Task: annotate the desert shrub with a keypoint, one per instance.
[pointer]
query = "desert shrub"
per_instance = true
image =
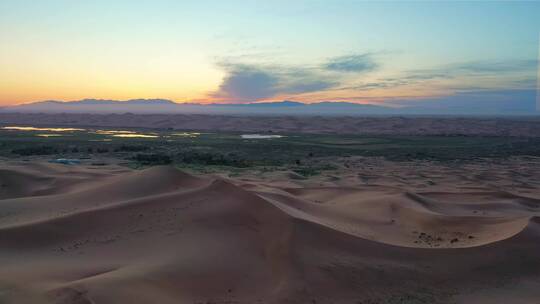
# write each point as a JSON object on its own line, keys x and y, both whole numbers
{"x": 131, "y": 148}
{"x": 38, "y": 150}
{"x": 306, "y": 171}
{"x": 312, "y": 170}
{"x": 213, "y": 159}
{"x": 153, "y": 159}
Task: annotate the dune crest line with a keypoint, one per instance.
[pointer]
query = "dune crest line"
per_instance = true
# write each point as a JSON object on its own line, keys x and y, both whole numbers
{"x": 180, "y": 237}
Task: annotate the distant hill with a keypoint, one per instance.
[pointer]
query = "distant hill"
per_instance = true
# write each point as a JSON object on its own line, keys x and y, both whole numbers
{"x": 100, "y": 102}
{"x": 127, "y": 102}
{"x": 168, "y": 106}
{"x": 165, "y": 106}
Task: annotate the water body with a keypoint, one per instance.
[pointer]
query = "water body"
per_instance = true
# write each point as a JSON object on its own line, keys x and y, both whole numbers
{"x": 260, "y": 136}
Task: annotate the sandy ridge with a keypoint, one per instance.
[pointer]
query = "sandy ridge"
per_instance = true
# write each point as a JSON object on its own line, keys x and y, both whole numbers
{"x": 113, "y": 235}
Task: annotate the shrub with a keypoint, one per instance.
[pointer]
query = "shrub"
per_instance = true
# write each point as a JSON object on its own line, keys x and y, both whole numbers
{"x": 153, "y": 159}
{"x": 39, "y": 150}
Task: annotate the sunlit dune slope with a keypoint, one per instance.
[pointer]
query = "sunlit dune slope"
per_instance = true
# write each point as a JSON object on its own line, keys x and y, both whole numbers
{"x": 79, "y": 235}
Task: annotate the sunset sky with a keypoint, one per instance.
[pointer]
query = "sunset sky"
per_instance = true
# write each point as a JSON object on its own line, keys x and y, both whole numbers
{"x": 245, "y": 51}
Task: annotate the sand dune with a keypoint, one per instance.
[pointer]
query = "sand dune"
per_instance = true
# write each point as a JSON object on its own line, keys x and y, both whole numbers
{"x": 72, "y": 234}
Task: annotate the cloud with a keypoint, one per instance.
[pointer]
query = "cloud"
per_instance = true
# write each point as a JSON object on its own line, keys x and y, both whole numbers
{"x": 351, "y": 63}
{"x": 477, "y": 68}
{"x": 382, "y": 84}
{"x": 246, "y": 83}
{"x": 247, "y": 80}
{"x": 517, "y": 74}
{"x": 392, "y": 82}
{"x": 489, "y": 67}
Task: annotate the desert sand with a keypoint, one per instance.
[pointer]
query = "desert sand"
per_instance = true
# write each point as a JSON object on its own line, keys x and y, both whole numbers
{"x": 378, "y": 233}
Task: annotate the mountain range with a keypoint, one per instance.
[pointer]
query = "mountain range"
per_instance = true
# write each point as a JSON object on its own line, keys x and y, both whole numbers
{"x": 161, "y": 106}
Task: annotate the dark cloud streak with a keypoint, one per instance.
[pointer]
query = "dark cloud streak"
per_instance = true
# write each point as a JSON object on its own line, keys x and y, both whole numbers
{"x": 251, "y": 82}
{"x": 471, "y": 69}
{"x": 489, "y": 67}
{"x": 246, "y": 83}
{"x": 352, "y": 63}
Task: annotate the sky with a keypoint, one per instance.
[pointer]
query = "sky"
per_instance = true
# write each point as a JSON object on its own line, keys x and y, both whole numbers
{"x": 389, "y": 53}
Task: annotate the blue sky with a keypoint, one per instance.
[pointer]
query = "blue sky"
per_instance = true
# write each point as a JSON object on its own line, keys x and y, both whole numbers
{"x": 244, "y": 51}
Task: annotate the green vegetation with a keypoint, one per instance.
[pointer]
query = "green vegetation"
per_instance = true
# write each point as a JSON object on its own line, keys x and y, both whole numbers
{"x": 305, "y": 154}
{"x": 153, "y": 159}
{"x": 35, "y": 150}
